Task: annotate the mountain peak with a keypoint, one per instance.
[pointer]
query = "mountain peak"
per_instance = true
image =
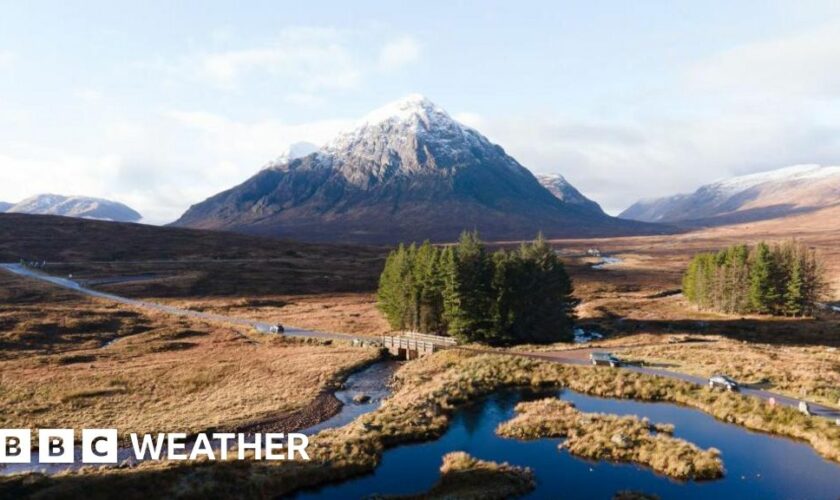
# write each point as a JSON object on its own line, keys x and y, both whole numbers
{"x": 75, "y": 206}
{"x": 412, "y": 114}
{"x": 406, "y": 108}
{"x": 407, "y": 171}
{"x": 759, "y": 196}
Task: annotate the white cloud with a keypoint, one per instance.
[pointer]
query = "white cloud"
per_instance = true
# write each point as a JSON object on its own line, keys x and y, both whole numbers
{"x": 399, "y": 53}
{"x": 7, "y": 59}
{"x": 470, "y": 119}
{"x": 315, "y": 59}
{"x": 160, "y": 166}
{"x": 796, "y": 65}
{"x": 618, "y": 163}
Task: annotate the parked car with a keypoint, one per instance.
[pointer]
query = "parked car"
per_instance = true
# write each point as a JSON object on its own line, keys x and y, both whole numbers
{"x": 604, "y": 358}
{"x": 723, "y": 381}
{"x": 276, "y": 329}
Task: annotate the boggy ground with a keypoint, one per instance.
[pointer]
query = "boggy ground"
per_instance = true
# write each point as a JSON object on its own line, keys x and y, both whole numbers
{"x": 427, "y": 392}
{"x": 69, "y": 361}
{"x": 612, "y": 437}
{"x": 465, "y": 477}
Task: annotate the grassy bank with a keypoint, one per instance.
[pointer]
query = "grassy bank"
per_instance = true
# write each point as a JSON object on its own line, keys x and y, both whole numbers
{"x": 467, "y": 478}
{"x": 69, "y": 361}
{"x": 426, "y": 394}
{"x": 600, "y": 436}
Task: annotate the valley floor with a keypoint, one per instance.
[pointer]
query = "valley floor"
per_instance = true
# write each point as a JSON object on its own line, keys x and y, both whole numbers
{"x": 68, "y": 361}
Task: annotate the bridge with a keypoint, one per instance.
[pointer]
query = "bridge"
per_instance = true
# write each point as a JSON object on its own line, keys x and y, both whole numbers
{"x": 412, "y": 345}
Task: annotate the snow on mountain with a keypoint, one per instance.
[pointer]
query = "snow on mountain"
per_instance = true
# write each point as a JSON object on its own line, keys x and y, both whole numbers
{"x": 75, "y": 206}
{"x": 764, "y": 195}
{"x": 5, "y": 206}
{"x": 565, "y": 192}
{"x": 293, "y": 152}
{"x": 406, "y": 171}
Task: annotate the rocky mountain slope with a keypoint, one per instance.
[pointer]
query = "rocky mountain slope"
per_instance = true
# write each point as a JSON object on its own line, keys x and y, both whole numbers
{"x": 407, "y": 171}
{"x": 565, "y": 192}
{"x": 75, "y": 206}
{"x": 767, "y": 195}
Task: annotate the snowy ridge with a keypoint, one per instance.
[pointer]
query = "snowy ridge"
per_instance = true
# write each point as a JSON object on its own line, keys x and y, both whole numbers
{"x": 565, "y": 192}
{"x": 75, "y": 206}
{"x": 757, "y": 196}
{"x": 786, "y": 174}
{"x": 293, "y": 152}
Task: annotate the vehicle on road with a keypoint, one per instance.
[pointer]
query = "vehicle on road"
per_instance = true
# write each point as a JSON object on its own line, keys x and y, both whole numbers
{"x": 723, "y": 382}
{"x": 263, "y": 328}
{"x": 605, "y": 359}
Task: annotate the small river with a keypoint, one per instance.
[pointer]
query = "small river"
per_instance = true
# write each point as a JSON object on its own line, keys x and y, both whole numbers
{"x": 757, "y": 465}
{"x": 372, "y": 381}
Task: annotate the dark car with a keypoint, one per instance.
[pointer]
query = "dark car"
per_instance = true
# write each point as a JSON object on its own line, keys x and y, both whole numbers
{"x": 723, "y": 382}
{"x": 604, "y": 358}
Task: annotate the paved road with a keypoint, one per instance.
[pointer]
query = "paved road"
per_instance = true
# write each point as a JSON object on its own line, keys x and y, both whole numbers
{"x": 572, "y": 356}
{"x": 259, "y": 325}
{"x": 581, "y": 357}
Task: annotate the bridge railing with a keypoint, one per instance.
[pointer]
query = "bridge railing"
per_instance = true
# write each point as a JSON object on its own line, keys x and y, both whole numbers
{"x": 435, "y": 339}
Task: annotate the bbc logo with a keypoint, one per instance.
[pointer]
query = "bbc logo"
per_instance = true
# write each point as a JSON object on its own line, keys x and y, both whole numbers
{"x": 57, "y": 446}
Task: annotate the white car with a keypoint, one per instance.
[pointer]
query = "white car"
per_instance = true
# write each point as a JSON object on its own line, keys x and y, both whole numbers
{"x": 722, "y": 381}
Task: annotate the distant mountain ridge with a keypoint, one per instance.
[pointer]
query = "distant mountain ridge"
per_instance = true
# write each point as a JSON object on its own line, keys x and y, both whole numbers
{"x": 564, "y": 191}
{"x": 75, "y": 206}
{"x": 406, "y": 171}
{"x": 5, "y": 206}
{"x": 765, "y": 195}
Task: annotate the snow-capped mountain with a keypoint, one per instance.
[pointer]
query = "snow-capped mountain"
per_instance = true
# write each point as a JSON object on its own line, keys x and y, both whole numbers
{"x": 565, "y": 192}
{"x": 5, "y": 206}
{"x": 406, "y": 171}
{"x": 765, "y": 195}
{"x": 75, "y": 206}
{"x": 293, "y": 152}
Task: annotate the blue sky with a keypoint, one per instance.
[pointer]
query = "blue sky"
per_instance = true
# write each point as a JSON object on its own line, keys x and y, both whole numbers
{"x": 161, "y": 104}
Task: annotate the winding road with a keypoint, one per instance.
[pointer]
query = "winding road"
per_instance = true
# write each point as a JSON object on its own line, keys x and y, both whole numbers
{"x": 176, "y": 311}
{"x": 572, "y": 356}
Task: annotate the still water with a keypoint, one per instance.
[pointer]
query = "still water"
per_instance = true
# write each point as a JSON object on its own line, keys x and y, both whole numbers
{"x": 757, "y": 465}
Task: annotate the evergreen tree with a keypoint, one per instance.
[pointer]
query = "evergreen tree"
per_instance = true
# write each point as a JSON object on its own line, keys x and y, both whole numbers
{"x": 762, "y": 289}
{"x": 785, "y": 279}
{"x": 549, "y": 312}
{"x": 467, "y": 294}
{"x": 794, "y": 297}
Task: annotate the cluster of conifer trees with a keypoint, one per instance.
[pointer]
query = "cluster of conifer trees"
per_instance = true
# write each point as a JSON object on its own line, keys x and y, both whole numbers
{"x": 462, "y": 290}
{"x": 785, "y": 279}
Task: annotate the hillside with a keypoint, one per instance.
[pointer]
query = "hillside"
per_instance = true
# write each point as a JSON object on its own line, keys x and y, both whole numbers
{"x": 407, "y": 171}
{"x": 768, "y": 195}
{"x": 75, "y": 206}
{"x": 565, "y": 192}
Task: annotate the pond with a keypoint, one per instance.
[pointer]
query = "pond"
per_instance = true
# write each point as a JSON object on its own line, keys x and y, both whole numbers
{"x": 757, "y": 465}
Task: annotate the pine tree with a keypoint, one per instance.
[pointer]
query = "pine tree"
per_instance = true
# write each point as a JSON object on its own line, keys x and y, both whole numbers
{"x": 794, "y": 297}
{"x": 550, "y": 308}
{"x": 762, "y": 294}
{"x": 468, "y": 293}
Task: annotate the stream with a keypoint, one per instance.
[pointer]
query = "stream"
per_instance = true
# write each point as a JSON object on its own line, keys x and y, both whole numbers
{"x": 372, "y": 381}
{"x": 607, "y": 261}
{"x": 757, "y": 465}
